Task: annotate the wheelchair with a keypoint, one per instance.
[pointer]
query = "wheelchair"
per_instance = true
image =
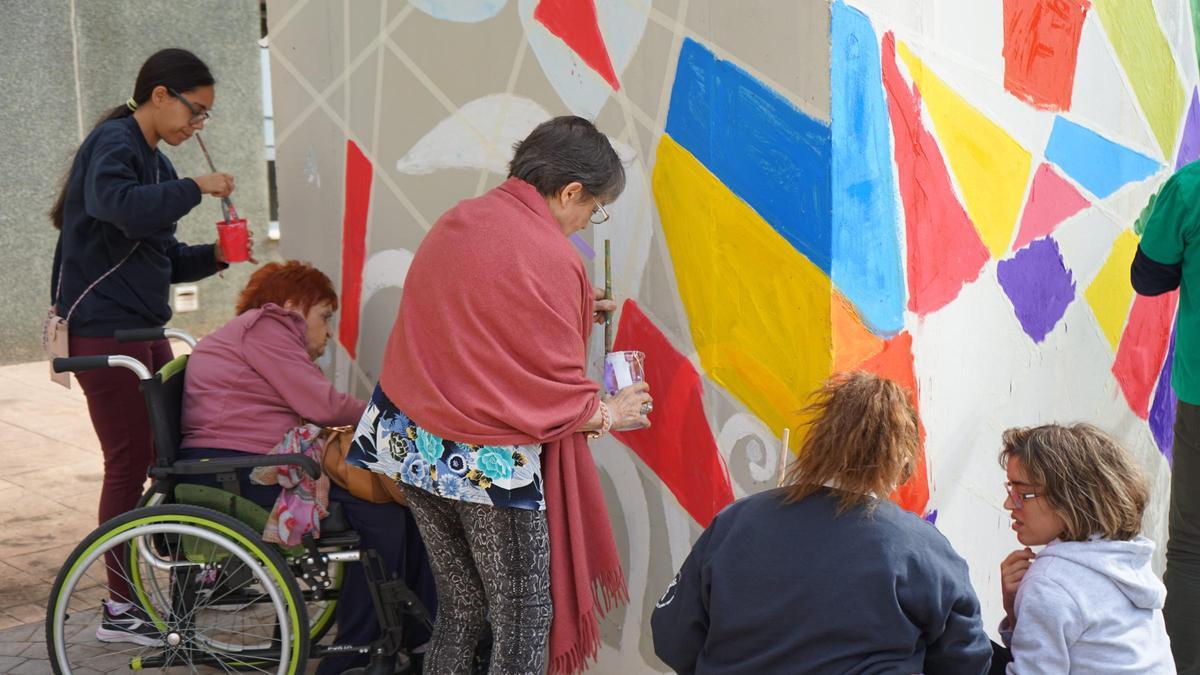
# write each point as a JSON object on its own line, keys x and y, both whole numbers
{"x": 215, "y": 596}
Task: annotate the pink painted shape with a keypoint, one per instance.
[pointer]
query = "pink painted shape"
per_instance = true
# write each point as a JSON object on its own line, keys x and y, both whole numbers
{"x": 1051, "y": 200}
{"x": 944, "y": 249}
{"x": 359, "y": 173}
{"x": 576, "y": 23}
{"x": 1143, "y": 348}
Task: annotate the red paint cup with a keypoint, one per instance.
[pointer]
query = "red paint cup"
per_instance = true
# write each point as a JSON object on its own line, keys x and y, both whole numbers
{"x": 235, "y": 240}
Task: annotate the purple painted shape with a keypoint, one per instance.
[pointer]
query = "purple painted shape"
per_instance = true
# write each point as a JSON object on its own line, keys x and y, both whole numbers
{"x": 1162, "y": 411}
{"x": 931, "y": 517}
{"x": 583, "y": 247}
{"x": 1189, "y": 145}
{"x": 1039, "y": 285}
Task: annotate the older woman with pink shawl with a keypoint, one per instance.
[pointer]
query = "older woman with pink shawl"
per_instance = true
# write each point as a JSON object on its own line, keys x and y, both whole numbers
{"x": 484, "y": 409}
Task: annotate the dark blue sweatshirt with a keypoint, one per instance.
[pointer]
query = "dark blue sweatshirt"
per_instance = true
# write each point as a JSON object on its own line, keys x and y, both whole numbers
{"x": 120, "y": 192}
{"x": 794, "y": 588}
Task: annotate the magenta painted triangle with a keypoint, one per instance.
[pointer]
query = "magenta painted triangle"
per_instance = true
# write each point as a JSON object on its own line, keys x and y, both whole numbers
{"x": 1189, "y": 145}
{"x": 1051, "y": 200}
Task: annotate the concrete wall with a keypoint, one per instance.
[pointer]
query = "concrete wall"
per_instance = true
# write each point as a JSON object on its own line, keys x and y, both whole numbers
{"x": 42, "y": 121}
{"x": 910, "y": 187}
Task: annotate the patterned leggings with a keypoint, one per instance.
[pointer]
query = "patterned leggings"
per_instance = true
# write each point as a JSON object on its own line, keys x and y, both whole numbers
{"x": 492, "y": 564}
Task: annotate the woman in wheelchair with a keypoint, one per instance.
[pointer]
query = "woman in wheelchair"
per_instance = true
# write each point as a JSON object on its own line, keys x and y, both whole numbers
{"x": 254, "y": 379}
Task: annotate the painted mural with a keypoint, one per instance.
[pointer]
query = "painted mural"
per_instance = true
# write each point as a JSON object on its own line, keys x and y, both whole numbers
{"x": 947, "y": 193}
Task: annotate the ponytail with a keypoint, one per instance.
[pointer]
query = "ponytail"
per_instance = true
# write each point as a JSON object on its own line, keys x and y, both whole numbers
{"x": 175, "y": 69}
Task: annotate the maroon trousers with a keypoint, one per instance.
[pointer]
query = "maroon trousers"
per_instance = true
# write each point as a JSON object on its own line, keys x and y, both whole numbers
{"x": 119, "y": 417}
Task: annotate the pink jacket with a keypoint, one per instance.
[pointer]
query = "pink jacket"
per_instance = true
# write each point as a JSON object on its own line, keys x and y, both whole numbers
{"x": 251, "y": 380}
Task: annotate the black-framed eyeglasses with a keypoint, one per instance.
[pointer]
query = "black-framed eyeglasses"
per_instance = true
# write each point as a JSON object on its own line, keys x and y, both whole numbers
{"x": 1018, "y": 498}
{"x": 599, "y": 215}
{"x": 198, "y": 115}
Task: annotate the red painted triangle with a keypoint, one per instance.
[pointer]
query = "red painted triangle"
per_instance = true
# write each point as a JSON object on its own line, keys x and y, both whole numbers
{"x": 576, "y": 23}
{"x": 1051, "y": 200}
{"x": 944, "y": 249}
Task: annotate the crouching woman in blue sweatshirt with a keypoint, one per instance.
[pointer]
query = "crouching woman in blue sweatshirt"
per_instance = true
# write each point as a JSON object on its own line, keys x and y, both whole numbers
{"x": 825, "y": 575}
{"x": 114, "y": 263}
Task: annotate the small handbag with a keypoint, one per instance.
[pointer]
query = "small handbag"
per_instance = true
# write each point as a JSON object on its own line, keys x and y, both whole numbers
{"x": 56, "y": 339}
{"x": 366, "y": 485}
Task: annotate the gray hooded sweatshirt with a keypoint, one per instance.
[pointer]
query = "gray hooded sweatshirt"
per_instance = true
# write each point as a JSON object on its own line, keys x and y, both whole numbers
{"x": 1090, "y": 607}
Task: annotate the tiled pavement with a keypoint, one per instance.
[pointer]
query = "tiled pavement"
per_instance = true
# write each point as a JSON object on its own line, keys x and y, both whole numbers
{"x": 50, "y": 472}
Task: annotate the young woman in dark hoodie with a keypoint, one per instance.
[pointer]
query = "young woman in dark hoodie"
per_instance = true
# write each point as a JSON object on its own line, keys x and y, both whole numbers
{"x": 115, "y": 260}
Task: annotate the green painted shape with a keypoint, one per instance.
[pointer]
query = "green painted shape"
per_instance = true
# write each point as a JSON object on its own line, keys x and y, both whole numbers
{"x": 1133, "y": 29}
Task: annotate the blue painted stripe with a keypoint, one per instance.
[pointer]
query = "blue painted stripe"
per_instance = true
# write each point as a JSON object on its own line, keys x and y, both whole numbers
{"x": 867, "y": 263}
{"x": 774, "y": 157}
{"x": 1093, "y": 161}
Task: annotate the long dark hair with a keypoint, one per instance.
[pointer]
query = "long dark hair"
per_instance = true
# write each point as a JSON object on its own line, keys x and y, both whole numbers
{"x": 176, "y": 69}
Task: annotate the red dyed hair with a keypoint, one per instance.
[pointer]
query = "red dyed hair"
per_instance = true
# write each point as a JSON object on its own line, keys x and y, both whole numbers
{"x": 295, "y": 281}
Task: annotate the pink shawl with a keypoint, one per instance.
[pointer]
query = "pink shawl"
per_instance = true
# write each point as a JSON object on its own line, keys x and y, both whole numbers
{"x": 490, "y": 347}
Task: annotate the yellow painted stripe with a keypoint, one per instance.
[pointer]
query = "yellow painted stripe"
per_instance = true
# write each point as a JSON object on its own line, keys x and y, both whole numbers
{"x": 991, "y": 168}
{"x": 1111, "y": 294}
{"x": 759, "y": 311}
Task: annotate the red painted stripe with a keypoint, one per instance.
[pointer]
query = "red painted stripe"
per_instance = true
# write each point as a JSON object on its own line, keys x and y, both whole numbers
{"x": 1143, "y": 349}
{"x": 895, "y": 363}
{"x": 944, "y": 250}
{"x": 354, "y": 244}
{"x": 576, "y": 23}
{"x": 1041, "y": 46}
{"x": 679, "y": 446}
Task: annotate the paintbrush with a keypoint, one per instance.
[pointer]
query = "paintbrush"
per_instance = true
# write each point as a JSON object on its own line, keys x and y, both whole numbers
{"x": 226, "y": 203}
{"x": 783, "y": 455}
{"x": 608, "y": 327}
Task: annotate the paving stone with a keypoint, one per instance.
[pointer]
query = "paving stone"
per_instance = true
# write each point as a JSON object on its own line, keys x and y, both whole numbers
{"x": 33, "y": 667}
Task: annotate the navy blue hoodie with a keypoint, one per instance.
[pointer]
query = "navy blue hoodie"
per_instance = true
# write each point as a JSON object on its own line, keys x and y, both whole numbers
{"x": 782, "y": 588}
{"x": 120, "y": 192}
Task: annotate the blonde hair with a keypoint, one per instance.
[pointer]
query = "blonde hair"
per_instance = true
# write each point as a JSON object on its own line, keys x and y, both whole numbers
{"x": 862, "y": 438}
{"x": 1084, "y": 475}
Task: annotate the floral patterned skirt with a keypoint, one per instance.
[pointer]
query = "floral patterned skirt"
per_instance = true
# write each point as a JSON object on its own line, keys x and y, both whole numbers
{"x": 390, "y": 443}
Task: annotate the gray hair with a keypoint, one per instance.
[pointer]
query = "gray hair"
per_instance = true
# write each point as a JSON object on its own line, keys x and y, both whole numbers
{"x": 565, "y": 150}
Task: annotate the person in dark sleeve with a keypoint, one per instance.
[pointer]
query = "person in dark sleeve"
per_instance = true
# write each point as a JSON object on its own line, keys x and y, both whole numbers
{"x": 825, "y": 575}
{"x": 116, "y": 258}
{"x": 1168, "y": 258}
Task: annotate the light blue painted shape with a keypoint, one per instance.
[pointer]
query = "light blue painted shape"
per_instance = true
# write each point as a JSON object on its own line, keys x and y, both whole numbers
{"x": 1098, "y": 164}
{"x": 867, "y": 264}
{"x": 774, "y": 157}
{"x": 462, "y": 11}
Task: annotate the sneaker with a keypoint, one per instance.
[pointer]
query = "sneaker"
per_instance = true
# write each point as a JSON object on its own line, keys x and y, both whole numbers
{"x": 131, "y": 626}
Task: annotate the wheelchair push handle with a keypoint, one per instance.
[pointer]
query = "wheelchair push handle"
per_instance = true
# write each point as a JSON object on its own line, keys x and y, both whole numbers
{"x": 196, "y": 467}
{"x": 151, "y": 334}
{"x": 75, "y": 364}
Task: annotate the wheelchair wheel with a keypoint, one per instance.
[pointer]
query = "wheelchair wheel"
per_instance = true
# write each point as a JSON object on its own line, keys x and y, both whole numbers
{"x": 212, "y": 595}
{"x": 321, "y": 613}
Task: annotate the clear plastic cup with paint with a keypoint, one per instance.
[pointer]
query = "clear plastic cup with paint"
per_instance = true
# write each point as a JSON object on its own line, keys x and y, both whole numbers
{"x": 621, "y": 370}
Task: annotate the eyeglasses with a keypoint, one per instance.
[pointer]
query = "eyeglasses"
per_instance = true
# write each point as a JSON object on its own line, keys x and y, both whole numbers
{"x": 1019, "y": 498}
{"x": 599, "y": 215}
{"x": 198, "y": 115}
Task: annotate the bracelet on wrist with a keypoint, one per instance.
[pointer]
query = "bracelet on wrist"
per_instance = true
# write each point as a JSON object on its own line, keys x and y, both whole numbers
{"x": 605, "y": 422}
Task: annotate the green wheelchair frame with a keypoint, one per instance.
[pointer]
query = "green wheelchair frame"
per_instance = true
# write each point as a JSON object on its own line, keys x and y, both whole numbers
{"x": 206, "y": 544}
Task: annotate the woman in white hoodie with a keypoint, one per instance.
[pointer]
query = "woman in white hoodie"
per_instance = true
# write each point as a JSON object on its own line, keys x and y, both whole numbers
{"x": 1088, "y": 602}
